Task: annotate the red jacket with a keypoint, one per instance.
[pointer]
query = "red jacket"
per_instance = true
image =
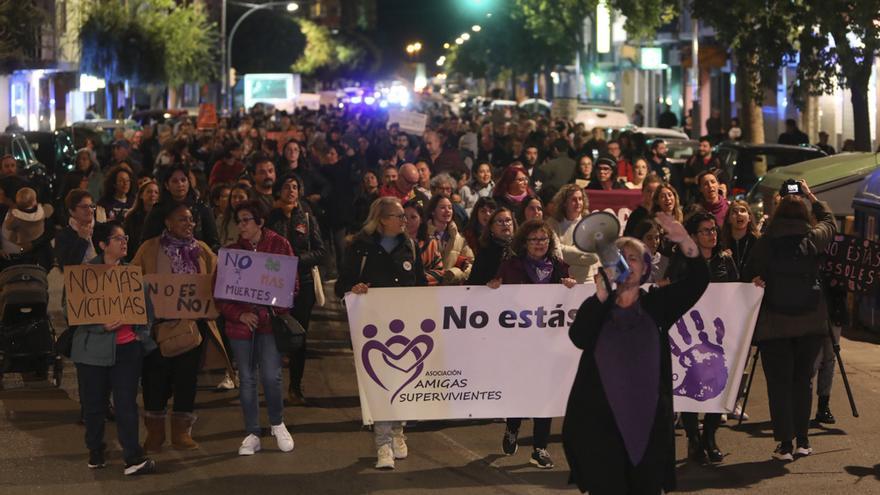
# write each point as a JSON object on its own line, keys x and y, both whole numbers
{"x": 221, "y": 173}
{"x": 270, "y": 242}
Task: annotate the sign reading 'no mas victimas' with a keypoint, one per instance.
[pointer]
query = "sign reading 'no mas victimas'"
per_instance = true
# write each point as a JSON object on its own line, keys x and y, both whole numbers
{"x": 258, "y": 278}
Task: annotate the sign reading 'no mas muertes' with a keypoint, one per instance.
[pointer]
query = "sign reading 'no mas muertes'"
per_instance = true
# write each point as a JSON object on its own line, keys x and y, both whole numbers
{"x": 474, "y": 352}
{"x": 258, "y": 278}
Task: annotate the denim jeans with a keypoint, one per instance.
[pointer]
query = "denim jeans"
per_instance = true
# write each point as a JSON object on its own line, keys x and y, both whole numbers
{"x": 122, "y": 379}
{"x": 261, "y": 354}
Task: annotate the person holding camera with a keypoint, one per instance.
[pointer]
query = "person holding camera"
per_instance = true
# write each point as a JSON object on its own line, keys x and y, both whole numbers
{"x": 793, "y": 321}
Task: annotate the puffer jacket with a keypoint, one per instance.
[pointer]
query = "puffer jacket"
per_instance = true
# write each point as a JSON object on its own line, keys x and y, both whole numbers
{"x": 270, "y": 242}
{"x": 367, "y": 261}
{"x": 94, "y": 345}
{"x": 773, "y": 325}
{"x": 456, "y": 247}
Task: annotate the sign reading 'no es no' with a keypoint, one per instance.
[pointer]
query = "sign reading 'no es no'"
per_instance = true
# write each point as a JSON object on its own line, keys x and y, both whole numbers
{"x": 258, "y": 278}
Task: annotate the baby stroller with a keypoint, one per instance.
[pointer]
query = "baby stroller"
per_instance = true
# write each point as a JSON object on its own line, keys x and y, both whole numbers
{"x": 27, "y": 338}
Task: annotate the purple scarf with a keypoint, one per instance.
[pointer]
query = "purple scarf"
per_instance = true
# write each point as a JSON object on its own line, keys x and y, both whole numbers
{"x": 539, "y": 271}
{"x": 183, "y": 253}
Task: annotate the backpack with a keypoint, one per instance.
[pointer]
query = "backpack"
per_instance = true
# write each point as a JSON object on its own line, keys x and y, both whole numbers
{"x": 793, "y": 286}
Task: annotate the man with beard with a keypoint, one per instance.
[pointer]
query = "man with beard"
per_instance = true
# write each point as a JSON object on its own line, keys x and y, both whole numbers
{"x": 702, "y": 161}
{"x": 264, "y": 180}
{"x": 669, "y": 172}
{"x": 530, "y": 162}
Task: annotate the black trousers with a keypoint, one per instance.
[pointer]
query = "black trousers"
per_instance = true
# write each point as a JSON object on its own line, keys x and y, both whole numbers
{"x": 789, "y": 367}
{"x": 540, "y": 430}
{"x": 302, "y": 312}
{"x": 166, "y": 377}
{"x": 691, "y": 423}
{"x": 97, "y": 382}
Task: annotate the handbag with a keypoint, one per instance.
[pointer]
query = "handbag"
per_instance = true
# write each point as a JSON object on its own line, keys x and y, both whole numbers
{"x": 176, "y": 337}
{"x": 290, "y": 336}
{"x": 64, "y": 342}
{"x": 320, "y": 299}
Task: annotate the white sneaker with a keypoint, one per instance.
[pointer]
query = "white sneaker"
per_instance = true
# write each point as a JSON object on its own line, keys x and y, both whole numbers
{"x": 250, "y": 445}
{"x": 282, "y": 436}
{"x": 227, "y": 384}
{"x": 398, "y": 446}
{"x": 385, "y": 458}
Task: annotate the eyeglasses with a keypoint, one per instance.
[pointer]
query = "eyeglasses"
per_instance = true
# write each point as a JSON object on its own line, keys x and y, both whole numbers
{"x": 244, "y": 220}
{"x": 522, "y": 179}
{"x": 504, "y": 221}
{"x": 710, "y": 231}
{"x": 538, "y": 240}
{"x": 89, "y": 206}
{"x": 401, "y": 217}
{"x": 120, "y": 238}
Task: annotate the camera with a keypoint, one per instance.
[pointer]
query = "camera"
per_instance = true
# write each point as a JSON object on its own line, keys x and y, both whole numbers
{"x": 791, "y": 186}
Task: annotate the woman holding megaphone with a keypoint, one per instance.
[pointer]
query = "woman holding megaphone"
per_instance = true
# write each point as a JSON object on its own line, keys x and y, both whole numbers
{"x": 618, "y": 431}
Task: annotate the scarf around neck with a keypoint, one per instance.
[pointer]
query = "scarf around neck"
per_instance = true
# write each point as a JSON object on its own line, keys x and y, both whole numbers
{"x": 539, "y": 271}
{"x": 183, "y": 253}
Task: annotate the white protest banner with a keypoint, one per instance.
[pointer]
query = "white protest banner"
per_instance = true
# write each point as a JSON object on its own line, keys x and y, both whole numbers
{"x": 464, "y": 352}
{"x": 312, "y": 101}
{"x": 710, "y": 346}
{"x": 259, "y": 278}
{"x": 410, "y": 122}
{"x": 473, "y": 352}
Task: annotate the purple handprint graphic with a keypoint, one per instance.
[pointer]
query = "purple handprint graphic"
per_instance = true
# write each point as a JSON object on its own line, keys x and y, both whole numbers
{"x": 705, "y": 374}
{"x": 396, "y": 349}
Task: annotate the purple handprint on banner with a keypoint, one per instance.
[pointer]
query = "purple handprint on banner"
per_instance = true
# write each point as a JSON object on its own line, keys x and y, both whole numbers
{"x": 705, "y": 375}
{"x": 416, "y": 349}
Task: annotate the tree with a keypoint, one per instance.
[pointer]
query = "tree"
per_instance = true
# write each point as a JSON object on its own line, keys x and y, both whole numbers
{"x": 20, "y": 23}
{"x": 325, "y": 55}
{"x": 147, "y": 41}
{"x": 559, "y": 23}
{"x": 839, "y": 40}
{"x": 761, "y": 39}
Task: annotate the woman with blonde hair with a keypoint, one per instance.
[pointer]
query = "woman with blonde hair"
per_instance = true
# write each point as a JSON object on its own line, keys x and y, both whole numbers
{"x": 382, "y": 255}
{"x": 568, "y": 207}
{"x": 666, "y": 200}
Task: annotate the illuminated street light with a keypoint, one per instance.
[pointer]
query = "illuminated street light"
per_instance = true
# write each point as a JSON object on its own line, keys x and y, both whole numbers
{"x": 292, "y": 7}
{"x": 441, "y": 61}
{"x": 465, "y": 36}
{"x": 458, "y": 41}
{"x": 476, "y": 28}
{"x": 417, "y": 46}
{"x": 446, "y": 46}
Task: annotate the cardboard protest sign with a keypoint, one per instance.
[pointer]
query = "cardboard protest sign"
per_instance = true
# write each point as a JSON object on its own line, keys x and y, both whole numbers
{"x": 410, "y": 122}
{"x": 98, "y": 294}
{"x": 207, "y": 116}
{"x": 259, "y": 278}
{"x": 182, "y": 297}
{"x": 853, "y": 262}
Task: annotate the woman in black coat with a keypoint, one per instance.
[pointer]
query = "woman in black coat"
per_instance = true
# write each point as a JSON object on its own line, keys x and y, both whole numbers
{"x": 382, "y": 255}
{"x": 618, "y": 431}
{"x": 294, "y": 221}
{"x": 494, "y": 244}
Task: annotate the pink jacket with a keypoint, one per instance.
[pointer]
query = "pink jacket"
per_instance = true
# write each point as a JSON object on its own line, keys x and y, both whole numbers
{"x": 270, "y": 242}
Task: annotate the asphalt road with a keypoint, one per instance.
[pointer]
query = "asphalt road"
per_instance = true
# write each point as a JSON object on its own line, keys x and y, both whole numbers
{"x": 42, "y": 450}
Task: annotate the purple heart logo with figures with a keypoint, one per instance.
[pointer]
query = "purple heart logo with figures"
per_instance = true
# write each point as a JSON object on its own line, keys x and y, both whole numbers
{"x": 398, "y": 360}
{"x": 702, "y": 360}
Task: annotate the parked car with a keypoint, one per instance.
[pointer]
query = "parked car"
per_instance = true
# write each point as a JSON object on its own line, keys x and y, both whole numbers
{"x": 745, "y": 163}
{"x": 16, "y": 144}
{"x": 601, "y": 116}
{"x": 54, "y": 149}
{"x": 536, "y": 106}
{"x": 652, "y": 133}
{"x": 835, "y": 179}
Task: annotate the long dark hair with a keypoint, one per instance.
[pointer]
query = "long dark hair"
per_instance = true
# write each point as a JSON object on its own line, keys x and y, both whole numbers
{"x": 486, "y": 235}
{"x": 473, "y": 223}
{"x": 422, "y": 233}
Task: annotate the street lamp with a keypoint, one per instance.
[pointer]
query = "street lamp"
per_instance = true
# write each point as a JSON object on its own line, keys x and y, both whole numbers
{"x": 227, "y": 46}
{"x": 413, "y": 49}
{"x": 465, "y": 36}
{"x": 476, "y": 28}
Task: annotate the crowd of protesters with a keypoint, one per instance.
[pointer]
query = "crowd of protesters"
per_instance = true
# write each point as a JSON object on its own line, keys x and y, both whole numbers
{"x": 470, "y": 201}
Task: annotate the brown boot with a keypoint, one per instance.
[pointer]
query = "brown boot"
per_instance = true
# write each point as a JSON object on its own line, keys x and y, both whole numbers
{"x": 181, "y": 431}
{"x": 154, "y": 423}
